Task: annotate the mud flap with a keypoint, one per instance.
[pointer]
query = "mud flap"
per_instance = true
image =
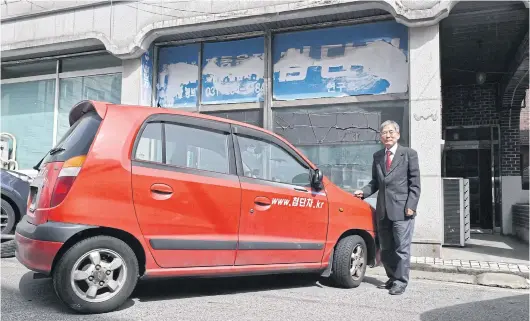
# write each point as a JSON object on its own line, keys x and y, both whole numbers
{"x": 327, "y": 271}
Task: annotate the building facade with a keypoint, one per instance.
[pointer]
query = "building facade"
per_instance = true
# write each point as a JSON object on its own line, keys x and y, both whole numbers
{"x": 323, "y": 74}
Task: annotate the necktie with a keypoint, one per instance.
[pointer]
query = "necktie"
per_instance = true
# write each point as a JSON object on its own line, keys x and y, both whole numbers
{"x": 388, "y": 160}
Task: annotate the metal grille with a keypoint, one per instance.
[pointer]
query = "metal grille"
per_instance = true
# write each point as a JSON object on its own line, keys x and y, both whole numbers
{"x": 452, "y": 213}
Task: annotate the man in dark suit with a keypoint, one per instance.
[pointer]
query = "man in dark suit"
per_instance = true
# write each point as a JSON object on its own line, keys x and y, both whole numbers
{"x": 396, "y": 175}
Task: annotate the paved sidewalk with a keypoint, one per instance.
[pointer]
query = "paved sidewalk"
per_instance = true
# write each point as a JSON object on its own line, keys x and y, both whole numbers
{"x": 482, "y": 266}
{"x": 484, "y": 278}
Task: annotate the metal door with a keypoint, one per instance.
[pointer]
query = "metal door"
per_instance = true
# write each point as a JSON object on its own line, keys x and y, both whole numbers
{"x": 473, "y": 152}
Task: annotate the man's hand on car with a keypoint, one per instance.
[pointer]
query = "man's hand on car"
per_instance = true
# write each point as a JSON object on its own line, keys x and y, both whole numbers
{"x": 358, "y": 193}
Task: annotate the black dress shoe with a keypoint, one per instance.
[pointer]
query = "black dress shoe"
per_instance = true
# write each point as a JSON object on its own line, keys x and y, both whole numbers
{"x": 397, "y": 289}
{"x": 387, "y": 285}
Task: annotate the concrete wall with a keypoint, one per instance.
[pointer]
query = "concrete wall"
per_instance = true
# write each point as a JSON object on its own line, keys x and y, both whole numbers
{"x": 425, "y": 128}
{"x": 127, "y": 29}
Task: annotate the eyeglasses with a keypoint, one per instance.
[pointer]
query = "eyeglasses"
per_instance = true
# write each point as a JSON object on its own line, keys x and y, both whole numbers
{"x": 390, "y": 132}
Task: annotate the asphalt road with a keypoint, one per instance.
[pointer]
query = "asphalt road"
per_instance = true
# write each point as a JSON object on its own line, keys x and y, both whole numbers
{"x": 276, "y": 298}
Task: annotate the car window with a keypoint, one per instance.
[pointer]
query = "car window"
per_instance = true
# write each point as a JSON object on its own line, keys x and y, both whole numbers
{"x": 267, "y": 161}
{"x": 150, "y": 144}
{"x": 77, "y": 140}
{"x": 197, "y": 148}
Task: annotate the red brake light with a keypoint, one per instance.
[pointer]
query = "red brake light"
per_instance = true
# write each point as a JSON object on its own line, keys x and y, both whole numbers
{"x": 66, "y": 179}
{"x": 62, "y": 187}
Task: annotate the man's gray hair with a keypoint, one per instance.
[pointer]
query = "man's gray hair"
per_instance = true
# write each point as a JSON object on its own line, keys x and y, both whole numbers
{"x": 389, "y": 122}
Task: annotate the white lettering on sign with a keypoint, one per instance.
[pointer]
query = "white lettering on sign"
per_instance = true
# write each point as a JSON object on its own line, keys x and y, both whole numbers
{"x": 298, "y": 202}
{"x": 358, "y": 67}
{"x": 245, "y": 77}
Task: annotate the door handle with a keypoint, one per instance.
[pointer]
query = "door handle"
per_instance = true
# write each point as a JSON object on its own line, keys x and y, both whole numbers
{"x": 262, "y": 201}
{"x": 161, "y": 191}
{"x": 300, "y": 189}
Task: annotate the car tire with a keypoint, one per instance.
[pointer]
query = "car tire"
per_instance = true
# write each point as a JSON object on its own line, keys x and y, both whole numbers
{"x": 8, "y": 249}
{"x": 79, "y": 263}
{"x": 8, "y": 215}
{"x": 349, "y": 250}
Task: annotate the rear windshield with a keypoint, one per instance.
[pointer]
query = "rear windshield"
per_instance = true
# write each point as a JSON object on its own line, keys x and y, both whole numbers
{"x": 77, "y": 140}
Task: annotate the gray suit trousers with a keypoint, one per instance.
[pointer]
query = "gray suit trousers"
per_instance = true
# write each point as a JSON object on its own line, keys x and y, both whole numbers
{"x": 395, "y": 238}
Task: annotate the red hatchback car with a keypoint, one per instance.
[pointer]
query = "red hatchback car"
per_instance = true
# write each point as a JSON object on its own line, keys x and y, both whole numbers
{"x": 133, "y": 191}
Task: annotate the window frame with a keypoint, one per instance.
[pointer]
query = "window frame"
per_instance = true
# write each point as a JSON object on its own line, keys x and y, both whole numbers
{"x": 254, "y": 134}
{"x": 186, "y": 121}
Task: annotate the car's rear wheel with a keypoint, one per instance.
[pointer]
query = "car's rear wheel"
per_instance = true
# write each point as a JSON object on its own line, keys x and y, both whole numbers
{"x": 349, "y": 261}
{"x": 96, "y": 275}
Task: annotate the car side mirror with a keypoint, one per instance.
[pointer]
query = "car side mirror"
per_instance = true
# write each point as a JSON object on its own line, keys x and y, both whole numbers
{"x": 317, "y": 178}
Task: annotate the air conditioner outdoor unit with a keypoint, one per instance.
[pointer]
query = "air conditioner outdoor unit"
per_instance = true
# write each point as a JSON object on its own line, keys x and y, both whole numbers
{"x": 456, "y": 215}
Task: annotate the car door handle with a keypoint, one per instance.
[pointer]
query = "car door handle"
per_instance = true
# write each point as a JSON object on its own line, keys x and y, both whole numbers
{"x": 262, "y": 201}
{"x": 300, "y": 189}
{"x": 161, "y": 189}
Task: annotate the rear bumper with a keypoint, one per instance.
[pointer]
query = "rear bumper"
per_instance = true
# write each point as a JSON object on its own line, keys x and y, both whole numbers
{"x": 37, "y": 245}
{"x": 36, "y": 255}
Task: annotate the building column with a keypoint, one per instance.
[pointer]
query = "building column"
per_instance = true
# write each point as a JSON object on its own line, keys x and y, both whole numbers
{"x": 425, "y": 137}
{"x": 137, "y": 80}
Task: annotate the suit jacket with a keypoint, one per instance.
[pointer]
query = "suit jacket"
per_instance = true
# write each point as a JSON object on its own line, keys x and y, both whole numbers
{"x": 400, "y": 188}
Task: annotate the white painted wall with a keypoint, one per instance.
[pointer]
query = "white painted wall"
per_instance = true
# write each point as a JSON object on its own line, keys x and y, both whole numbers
{"x": 512, "y": 193}
{"x": 131, "y": 82}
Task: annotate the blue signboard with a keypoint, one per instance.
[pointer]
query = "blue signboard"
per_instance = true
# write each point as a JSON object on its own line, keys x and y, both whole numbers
{"x": 232, "y": 71}
{"x": 147, "y": 77}
{"x": 365, "y": 59}
{"x": 178, "y": 76}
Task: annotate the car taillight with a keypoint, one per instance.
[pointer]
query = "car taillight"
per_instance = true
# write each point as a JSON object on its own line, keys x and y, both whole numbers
{"x": 66, "y": 179}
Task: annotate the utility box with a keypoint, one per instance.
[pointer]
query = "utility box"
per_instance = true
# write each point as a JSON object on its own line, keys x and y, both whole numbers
{"x": 456, "y": 214}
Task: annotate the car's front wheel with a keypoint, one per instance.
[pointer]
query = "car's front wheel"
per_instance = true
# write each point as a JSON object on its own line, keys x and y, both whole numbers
{"x": 96, "y": 275}
{"x": 349, "y": 261}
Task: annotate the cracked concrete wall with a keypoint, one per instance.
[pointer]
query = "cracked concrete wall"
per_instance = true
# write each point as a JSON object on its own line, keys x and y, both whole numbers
{"x": 426, "y": 132}
{"x": 127, "y": 29}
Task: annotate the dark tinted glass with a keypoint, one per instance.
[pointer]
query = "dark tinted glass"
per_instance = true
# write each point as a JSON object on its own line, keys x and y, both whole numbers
{"x": 196, "y": 148}
{"x": 77, "y": 140}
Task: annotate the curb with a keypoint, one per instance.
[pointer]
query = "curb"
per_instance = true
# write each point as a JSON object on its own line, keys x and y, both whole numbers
{"x": 463, "y": 270}
{"x": 451, "y": 275}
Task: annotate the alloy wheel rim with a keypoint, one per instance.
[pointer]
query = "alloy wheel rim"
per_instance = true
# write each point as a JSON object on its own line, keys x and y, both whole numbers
{"x": 4, "y": 219}
{"x": 98, "y": 275}
{"x": 357, "y": 262}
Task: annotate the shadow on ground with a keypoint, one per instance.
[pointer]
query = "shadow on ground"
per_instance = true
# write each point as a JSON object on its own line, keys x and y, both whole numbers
{"x": 39, "y": 291}
{"x": 33, "y": 290}
{"x": 169, "y": 289}
{"x": 512, "y": 308}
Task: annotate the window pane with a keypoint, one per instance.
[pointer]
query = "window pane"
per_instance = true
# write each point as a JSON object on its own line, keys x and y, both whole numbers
{"x": 150, "y": 144}
{"x": 101, "y": 87}
{"x": 252, "y": 117}
{"x": 178, "y": 76}
{"x": 28, "y": 69}
{"x": 197, "y": 148}
{"x": 348, "y": 166}
{"x": 27, "y": 113}
{"x": 341, "y": 140}
{"x": 269, "y": 162}
{"x": 90, "y": 62}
